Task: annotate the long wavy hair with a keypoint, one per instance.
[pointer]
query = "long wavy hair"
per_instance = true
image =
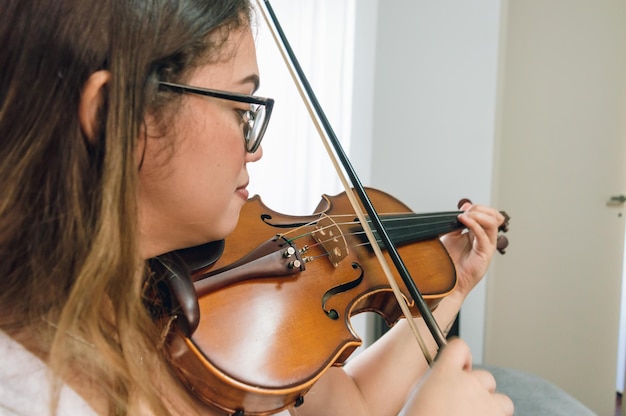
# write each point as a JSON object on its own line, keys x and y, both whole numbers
{"x": 70, "y": 271}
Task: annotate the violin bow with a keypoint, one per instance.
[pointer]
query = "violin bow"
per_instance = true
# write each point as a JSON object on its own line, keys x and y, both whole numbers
{"x": 339, "y": 159}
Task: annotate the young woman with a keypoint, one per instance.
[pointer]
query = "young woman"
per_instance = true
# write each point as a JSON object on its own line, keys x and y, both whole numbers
{"x": 103, "y": 166}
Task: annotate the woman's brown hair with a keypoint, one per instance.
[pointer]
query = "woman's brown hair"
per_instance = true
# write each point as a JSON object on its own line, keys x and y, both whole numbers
{"x": 70, "y": 272}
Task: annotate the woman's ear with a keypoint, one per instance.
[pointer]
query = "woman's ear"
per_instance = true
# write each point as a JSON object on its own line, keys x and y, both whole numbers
{"x": 91, "y": 99}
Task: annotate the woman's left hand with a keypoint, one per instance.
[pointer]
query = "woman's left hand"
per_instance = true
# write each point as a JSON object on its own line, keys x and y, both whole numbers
{"x": 472, "y": 249}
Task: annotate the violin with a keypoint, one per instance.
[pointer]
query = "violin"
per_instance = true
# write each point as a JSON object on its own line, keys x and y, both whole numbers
{"x": 252, "y": 334}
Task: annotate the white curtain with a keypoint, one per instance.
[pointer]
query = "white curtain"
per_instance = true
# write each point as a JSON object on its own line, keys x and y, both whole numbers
{"x": 295, "y": 169}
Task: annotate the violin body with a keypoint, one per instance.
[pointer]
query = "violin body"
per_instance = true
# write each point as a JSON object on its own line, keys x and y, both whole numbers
{"x": 264, "y": 338}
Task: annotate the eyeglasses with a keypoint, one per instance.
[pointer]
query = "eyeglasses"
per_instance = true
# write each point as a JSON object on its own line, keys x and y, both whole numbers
{"x": 255, "y": 120}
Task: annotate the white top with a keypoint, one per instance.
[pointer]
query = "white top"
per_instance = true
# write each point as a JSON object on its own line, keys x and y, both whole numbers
{"x": 25, "y": 385}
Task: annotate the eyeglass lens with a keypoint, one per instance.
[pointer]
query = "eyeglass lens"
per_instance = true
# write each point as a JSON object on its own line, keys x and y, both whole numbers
{"x": 255, "y": 127}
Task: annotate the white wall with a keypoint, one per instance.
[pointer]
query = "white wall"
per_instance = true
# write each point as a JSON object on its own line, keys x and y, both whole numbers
{"x": 434, "y": 112}
{"x": 365, "y": 40}
{"x": 554, "y": 309}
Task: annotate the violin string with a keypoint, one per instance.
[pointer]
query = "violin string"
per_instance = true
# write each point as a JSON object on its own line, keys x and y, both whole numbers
{"x": 361, "y": 233}
{"x": 322, "y": 242}
{"x": 388, "y": 220}
{"x": 402, "y": 216}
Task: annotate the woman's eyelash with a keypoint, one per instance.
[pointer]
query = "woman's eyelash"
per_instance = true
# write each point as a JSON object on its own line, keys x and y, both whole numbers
{"x": 244, "y": 114}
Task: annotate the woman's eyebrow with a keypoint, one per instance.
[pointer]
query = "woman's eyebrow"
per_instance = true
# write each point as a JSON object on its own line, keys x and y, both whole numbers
{"x": 254, "y": 79}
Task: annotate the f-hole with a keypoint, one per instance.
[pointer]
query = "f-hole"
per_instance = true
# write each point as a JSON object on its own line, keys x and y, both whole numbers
{"x": 344, "y": 287}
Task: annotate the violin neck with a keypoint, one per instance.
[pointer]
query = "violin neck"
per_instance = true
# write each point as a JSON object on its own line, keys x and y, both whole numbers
{"x": 410, "y": 228}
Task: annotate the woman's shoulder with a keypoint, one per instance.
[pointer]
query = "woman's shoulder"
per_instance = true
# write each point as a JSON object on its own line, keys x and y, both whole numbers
{"x": 25, "y": 384}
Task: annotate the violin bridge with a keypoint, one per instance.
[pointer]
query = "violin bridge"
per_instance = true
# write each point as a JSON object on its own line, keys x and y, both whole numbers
{"x": 328, "y": 234}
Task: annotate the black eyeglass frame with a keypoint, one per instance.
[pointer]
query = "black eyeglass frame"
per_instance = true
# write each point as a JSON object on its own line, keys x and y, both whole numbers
{"x": 266, "y": 105}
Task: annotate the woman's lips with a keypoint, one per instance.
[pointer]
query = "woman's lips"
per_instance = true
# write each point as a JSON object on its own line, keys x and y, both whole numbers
{"x": 243, "y": 192}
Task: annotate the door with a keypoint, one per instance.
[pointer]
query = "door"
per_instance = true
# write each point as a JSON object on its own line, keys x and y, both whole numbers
{"x": 553, "y": 306}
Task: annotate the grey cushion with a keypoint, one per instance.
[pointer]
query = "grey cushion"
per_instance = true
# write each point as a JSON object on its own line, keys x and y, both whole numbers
{"x": 534, "y": 396}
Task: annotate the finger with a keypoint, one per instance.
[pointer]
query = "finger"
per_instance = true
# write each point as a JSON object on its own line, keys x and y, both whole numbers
{"x": 490, "y": 212}
{"x": 482, "y": 227}
{"x": 456, "y": 353}
{"x": 479, "y": 219}
{"x": 464, "y": 202}
{"x": 498, "y": 215}
{"x": 505, "y": 403}
{"x": 486, "y": 379}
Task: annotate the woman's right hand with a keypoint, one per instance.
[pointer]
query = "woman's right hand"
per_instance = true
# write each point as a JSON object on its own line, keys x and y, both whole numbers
{"x": 451, "y": 387}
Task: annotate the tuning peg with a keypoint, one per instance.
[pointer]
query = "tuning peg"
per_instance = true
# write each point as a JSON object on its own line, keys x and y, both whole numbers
{"x": 463, "y": 202}
{"x": 502, "y": 243}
